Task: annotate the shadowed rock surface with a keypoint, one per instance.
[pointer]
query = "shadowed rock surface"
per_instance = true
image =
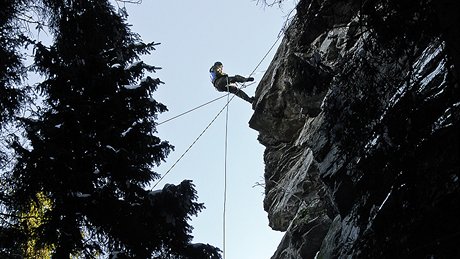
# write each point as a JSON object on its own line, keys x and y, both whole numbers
{"x": 362, "y": 142}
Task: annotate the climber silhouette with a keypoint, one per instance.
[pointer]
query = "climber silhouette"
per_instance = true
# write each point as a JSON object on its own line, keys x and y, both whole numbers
{"x": 223, "y": 83}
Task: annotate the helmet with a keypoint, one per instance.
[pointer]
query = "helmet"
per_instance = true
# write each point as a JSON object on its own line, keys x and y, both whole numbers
{"x": 217, "y": 64}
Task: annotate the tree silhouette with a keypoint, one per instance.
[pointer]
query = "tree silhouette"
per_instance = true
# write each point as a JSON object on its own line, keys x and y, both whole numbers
{"x": 91, "y": 153}
{"x": 10, "y": 65}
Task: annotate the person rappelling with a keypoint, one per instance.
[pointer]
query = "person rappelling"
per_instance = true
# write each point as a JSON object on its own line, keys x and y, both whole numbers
{"x": 224, "y": 83}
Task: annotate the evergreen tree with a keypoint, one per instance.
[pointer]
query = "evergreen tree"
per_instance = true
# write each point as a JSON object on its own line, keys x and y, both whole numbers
{"x": 11, "y": 96}
{"x": 10, "y": 61}
{"x": 91, "y": 153}
{"x": 11, "y": 68}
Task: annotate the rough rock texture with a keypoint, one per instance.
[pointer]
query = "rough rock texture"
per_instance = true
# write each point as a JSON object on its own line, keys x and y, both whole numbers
{"x": 362, "y": 142}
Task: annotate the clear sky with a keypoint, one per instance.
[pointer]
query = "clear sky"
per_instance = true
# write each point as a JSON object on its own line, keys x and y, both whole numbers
{"x": 193, "y": 35}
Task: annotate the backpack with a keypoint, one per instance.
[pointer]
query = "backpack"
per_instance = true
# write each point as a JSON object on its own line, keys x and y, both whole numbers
{"x": 212, "y": 75}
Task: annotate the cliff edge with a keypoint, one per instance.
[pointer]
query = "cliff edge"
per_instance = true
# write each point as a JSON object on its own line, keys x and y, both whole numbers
{"x": 360, "y": 116}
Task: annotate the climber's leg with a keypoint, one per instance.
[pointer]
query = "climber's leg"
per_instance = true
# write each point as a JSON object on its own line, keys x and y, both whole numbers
{"x": 239, "y": 79}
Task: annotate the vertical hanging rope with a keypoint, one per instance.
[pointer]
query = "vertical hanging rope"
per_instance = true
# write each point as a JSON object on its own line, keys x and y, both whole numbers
{"x": 226, "y": 106}
{"x": 225, "y": 174}
{"x": 229, "y": 99}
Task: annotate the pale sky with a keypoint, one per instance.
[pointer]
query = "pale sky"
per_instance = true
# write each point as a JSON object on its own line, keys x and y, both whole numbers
{"x": 193, "y": 35}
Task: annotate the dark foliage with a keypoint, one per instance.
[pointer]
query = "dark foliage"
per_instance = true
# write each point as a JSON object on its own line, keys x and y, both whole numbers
{"x": 11, "y": 68}
{"x": 92, "y": 150}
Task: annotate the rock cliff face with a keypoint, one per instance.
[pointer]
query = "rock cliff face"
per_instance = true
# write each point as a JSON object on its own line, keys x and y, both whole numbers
{"x": 362, "y": 140}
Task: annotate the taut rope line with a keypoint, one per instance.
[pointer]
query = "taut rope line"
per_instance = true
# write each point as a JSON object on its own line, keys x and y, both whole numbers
{"x": 225, "y": 176}
{"x": 212, "y": 121}
{"x": 196, "y": 108}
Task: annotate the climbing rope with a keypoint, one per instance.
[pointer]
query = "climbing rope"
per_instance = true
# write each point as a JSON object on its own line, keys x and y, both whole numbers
{"x": 193, "y": 109}
{"x": 191, "y": 145}
{"x": 244, "y": 85}
{"x": 224, "y": 213}
{"x": 212, "y": 121}
{"x": 226, "y": 142}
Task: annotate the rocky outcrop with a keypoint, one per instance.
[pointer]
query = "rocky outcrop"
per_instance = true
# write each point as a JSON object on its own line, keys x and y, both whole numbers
{"x": 362, "y": 143}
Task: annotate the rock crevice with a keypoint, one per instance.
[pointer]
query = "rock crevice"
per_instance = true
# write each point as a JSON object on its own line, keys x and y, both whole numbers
{"x": 361, "y": 140}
